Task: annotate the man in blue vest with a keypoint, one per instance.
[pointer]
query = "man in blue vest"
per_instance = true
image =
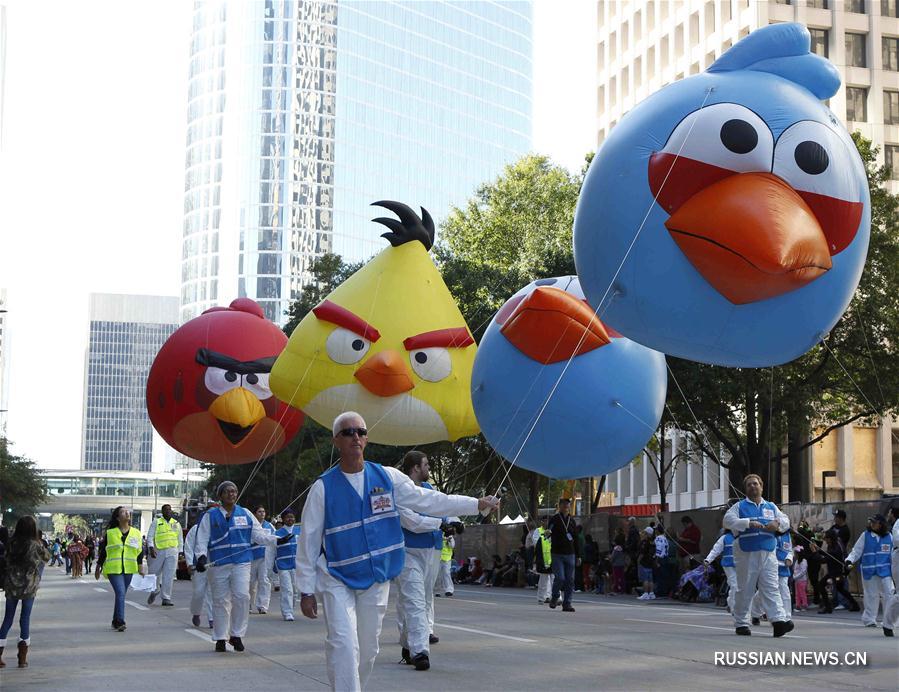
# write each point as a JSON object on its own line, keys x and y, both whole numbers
{"x": 286, "y": 563}
{"x": 724, "y": 547}
{"x": 891, "y": 613}
{"x": 263, "y": 560}
{"x": 224, "y": 540}
{"x": 755, "y": 522}
{"x": 872, "y": 551}
{"x": 423, "y": 535}
{"x": 352, "y": 545}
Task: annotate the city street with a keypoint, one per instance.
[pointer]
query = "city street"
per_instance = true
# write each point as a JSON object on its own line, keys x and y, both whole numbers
{"x": 497, "y": 639}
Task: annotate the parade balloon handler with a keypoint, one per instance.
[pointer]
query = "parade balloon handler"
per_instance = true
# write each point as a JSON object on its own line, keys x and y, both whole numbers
{"x": 755, "y": 522}
{"x": 352, "y": 546}
{"x": 224, "y": 541}
{"x": 891, "y": 612}
{"x": 872, "y": 552}
{"x": 724, "y": 547}
{"x": 263, "y": 563}
{"x": 785, "y": 559}
{"x": 165, "y": 542}
{"x": 286, "y": 563}
{"x": 201, "y": 597}
{"x": 121, "y": 556}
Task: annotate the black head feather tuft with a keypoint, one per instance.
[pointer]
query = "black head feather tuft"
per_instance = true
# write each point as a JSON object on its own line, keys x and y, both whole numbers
{"x": 409, "y": 227}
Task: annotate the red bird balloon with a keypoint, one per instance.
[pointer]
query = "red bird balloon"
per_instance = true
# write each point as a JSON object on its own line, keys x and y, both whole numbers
{"x": 208, "y": 393}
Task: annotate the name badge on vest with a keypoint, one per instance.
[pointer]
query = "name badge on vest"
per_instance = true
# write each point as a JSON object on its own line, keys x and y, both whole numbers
{"x": 240, "y": 521}
{"x": 884, "y": 547}
{"x": 768, "y": 513}
{"x": 133, "y": 542}
{"x": 381, "y": 501}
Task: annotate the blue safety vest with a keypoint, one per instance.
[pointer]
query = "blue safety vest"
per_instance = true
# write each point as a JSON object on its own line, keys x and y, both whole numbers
{"x": 229, "y": 540}
{"x": 784, "y": 546}
{"x": 286, "y": 554}
{"x": 363, "y": 539}
{"x": 259, "y": 550}
{"x": 428, "y": 539}
{"x": 755, "y": 539}
{"x": 876, "y": 558}
{"x": 727, "y": 555}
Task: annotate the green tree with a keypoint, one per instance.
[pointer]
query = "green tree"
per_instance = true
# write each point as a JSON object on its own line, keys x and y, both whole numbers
{"x": 762, "y": 416}
{"x": 61, "y": 522}
{"x": 328, "y": 272}
{"x": 22, "y": 488}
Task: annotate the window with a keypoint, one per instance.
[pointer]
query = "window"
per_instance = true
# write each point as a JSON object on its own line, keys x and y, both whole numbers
{"x": 891, "y": 161}
{"x": 857, "y": 104}
{"x": 890, "y": 53}
{"x": 855, "y": 50}
{"x": 888, "y": 8}
{"x": 856, "y": 6}
{"x": 891, "y": 107}
{"x": 819, "y": 42}
{"x": 819, "y": 4}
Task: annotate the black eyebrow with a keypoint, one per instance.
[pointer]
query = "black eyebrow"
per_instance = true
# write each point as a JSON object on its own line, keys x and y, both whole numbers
{"x": 245, "y": 367}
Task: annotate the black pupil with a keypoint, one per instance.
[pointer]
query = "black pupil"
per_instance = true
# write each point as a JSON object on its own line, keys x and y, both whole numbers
{"x": 421, "y": 357}
{"x": 231, "y": 376}
{"x": 358, "y": 345}
{"x": 252, "y": 378}
{"x": 739, "y": 136}
{"x": 811, "y": 157}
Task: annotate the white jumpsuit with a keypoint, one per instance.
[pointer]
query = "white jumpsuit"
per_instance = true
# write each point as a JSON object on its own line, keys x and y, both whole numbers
{"x": 165, "y": 563}
{"x": 354, "y": 617}
{"x": 260, "y": 583}
{"x": 415, "y": 601}
{"x": 755, "y": 569}
{"x": 201, "y": 596}
{"x": 891, "y": 612}
{"x": 230, "y": 583}
{"x": 783, "y": 585}
{"x": 729, "y": 572}
{"x": 875, "y": 589}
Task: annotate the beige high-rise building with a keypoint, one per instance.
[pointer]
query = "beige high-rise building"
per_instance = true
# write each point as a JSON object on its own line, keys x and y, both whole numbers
{"x": 642, "y": 45}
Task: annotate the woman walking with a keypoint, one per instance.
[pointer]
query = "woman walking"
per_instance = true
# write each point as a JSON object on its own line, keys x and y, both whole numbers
{"x": 76, "y": 555}
{"x": 121, "y": 557}
{"x": 25, "y": 556}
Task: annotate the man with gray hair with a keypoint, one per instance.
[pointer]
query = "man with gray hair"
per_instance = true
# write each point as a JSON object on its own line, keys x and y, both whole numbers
{"x": 352, "y": 546}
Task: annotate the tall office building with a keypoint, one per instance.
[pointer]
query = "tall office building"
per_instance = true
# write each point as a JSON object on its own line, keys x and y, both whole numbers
{"x": 303, "y": 112}
{"x": 4, "y": 362}
{"x": 126, "y": 332}
{"x": 642, "y": 45}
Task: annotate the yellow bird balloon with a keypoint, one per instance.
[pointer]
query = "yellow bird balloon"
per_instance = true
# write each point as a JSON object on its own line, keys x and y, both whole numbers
{"x": 389, "y": 343}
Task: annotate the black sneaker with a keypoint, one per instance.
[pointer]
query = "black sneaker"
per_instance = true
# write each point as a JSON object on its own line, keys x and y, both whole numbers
{"x": 433, "y": 639}
{"x": 421, "y": 661}
{"x": 406, "y": 658}
{"x": 152, "y": 597}
{"x": 195, "y": 621}
{"x": 447, "y": 594}
{"x": 567, "y": 609}
{"x": 781, "y": 627}
{"x": 887, "y": 632}
{"x": 166, "y": 602}
{"x": 220, "y": 646}
{"x": 744, "y": 631}
{"x": 756, "y": 622}
{"x": 553, "y": 602}
{"x": 120, "y": 627}
{"x": 236, "y": 643}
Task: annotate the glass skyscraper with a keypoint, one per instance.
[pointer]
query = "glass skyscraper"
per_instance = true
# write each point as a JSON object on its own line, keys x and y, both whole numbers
{"x": 126, "y": 332}
{"x": 302, "y": 113}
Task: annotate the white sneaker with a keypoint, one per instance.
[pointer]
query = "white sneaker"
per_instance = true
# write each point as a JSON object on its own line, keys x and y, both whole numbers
{"x": 288, "y": 618}
{"x": 652, "y": 596}
{"x": 643, "y": 597}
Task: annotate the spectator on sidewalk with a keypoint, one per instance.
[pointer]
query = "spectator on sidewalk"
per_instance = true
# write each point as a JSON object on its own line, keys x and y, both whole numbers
{"x": 618, "y": 563}
{"x": 25, "y": 557}
{"x": 646, "y": 563}
{"x": 833, "y": 560}
{"x": 589, "y": 560}
{"x": 689, "y": 540}
{"x": 800, "y": 579}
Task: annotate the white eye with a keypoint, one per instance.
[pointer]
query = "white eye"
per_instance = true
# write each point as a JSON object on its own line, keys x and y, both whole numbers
{"x": 813, "y": 158}
{"x": 219, "y": 380}
{"x": 346, "y": 347}
{"x": 725, "y": 135}
{"x": 257, "y": 382}
{"x": 431, "y": 364}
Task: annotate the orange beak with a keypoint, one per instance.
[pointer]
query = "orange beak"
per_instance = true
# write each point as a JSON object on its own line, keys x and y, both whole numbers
{"x": 752, "y": 237}
{"x": 385, "y": 374}
{"x": 551, "y": 325}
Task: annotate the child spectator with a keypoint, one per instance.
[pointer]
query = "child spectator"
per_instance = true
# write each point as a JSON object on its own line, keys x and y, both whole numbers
{"x": 617, "y": 569}
{"x": 800, "y": 580}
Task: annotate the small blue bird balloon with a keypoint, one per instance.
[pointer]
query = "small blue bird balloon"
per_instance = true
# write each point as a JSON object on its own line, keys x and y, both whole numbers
{"x": 593, "y": 419}
{"x": 726, "y": 218}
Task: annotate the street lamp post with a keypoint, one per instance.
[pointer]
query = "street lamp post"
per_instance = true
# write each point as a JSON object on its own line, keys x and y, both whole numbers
{"x": 824, "y": 476}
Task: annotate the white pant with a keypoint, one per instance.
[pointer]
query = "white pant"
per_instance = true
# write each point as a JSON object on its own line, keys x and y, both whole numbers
{"x": 544, "y": 587}
{"x": 230, "y": 586}
{"x": 891, "y": 610}
{"x": 286, "y": 578}
{"x": 353, "y": 620}
{"x": 444, "y": 581}
{"x": 415, "y": 600}
{"x": 163, "y": 566}
{"x": 731, "y": 574}
{"x": 783, "y": 586}
{"x": 875, "y": 589}
{"x": 260, "y": 585}
{"x": 201, "y": 595}
{"x": 756, "y": 569}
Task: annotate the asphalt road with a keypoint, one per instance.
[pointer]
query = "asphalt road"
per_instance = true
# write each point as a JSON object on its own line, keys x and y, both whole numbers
{"x": 496, "y": 639}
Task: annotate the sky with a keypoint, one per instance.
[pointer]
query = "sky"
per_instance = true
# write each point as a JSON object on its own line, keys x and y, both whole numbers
{"x": 92, "y": 173}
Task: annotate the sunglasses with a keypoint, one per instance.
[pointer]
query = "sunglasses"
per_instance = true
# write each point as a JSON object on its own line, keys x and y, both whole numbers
{"x": 349, "y": 432}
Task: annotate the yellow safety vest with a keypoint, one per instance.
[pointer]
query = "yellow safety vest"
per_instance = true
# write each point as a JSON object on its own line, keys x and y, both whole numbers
{"x": 546, "y": 546}
{"x": 446, "y": 552}
{"x": 121, "y": 553}
{"x": 166, "y": 533}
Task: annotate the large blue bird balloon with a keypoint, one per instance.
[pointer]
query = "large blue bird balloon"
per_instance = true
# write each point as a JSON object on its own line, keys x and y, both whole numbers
{"x": 591, "y": 421}
{"x": 726, "y": 218}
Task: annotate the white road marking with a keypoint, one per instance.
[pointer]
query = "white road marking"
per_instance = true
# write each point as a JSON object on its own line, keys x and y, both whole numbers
{"x": 488, "y": 634}
{"x": 705, "y": 627}
{"x": 137, "y": 605}
{"x": 182, "y": 608}
{"x": 466, "y": 600}
{"x": 206, "y": 638}
{"x": 97, "y": 588}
